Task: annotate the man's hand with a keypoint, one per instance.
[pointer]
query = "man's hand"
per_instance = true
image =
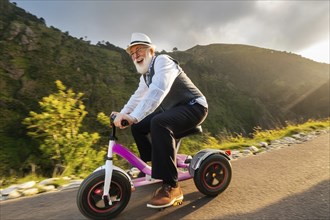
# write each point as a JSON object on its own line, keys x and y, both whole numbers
{"x": 114, "y": 114}
{"x": 120, "y": 117}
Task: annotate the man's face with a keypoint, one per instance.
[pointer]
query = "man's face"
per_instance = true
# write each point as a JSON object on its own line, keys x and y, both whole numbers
{"x": 141, "y": 56}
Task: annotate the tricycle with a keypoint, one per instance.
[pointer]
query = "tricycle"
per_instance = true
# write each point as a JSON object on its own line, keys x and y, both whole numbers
{"x": 106, "y": 192}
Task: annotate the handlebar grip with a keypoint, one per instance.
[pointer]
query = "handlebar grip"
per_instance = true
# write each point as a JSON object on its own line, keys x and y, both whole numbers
{"x": 124, "y": 123}
{"x": 112, "y": 118}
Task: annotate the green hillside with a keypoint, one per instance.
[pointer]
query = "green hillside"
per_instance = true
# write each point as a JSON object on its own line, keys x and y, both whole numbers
{"x": 245, "y": 86}
{"x": 248, "y": 86}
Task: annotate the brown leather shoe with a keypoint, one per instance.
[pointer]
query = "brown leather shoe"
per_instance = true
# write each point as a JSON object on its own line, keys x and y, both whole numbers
{"x": 166, "y": 196}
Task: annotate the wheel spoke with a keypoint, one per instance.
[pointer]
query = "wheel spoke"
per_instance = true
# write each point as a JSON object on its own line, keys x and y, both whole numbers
{"x": 220, "y": 178}
{"x": 114, "y": 199}
{"x": 208, "y": 178}
{"x": 96, "y": 198}
{"x": 211, "y": 169}
{"x": 218, "y": 169}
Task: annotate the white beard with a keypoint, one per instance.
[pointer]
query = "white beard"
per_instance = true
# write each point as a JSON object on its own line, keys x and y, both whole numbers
{"x": 143, "y": 67}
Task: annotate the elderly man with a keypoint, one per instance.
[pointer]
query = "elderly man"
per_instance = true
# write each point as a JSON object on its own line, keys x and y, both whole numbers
{"x": 165, "y": 103}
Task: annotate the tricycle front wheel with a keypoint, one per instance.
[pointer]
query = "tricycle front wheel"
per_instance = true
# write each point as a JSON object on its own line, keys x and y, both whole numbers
{"x": 89, "y": 197}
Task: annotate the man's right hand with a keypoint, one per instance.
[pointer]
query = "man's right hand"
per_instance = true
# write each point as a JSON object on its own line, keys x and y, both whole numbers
{"x": 114, "y": 114}
{"x": 120, "y": 117}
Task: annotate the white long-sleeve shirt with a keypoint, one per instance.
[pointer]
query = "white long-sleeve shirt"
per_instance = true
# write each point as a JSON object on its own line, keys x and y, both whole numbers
{"x": 146, "y": 99}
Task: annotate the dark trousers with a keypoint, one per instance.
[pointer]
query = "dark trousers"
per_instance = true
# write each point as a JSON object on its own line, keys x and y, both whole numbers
{"x": 154, "y": 137}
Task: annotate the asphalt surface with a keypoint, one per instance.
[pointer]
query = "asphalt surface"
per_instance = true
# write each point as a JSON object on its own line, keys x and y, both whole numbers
{"x": 288, "y": 183}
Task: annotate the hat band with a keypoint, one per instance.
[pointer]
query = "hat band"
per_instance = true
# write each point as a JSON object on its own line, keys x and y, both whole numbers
{"x": 146, "y": 42}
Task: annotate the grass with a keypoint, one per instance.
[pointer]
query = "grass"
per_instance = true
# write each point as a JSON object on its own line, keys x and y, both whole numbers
{"x": 193, "y": 144}
{"x": 239, "y": 142}
{"x": 290, "y": 129}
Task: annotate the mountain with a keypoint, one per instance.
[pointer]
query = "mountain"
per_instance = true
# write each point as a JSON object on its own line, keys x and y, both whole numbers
{"x": 255, "y": 86}
{"x": 246, "y": 86}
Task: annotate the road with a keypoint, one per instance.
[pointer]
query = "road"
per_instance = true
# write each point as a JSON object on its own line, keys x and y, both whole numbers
{"x": 288, "y": 183}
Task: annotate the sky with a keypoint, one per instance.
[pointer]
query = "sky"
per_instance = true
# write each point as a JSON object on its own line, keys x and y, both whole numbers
{"x": 300, "y": 27}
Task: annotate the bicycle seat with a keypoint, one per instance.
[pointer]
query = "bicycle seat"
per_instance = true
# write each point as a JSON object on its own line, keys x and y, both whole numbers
{"x": 192, "y": 131}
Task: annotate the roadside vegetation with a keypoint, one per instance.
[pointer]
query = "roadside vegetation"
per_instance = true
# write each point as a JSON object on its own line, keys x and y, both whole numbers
{"x": 193, "y": 144}
{"x": 65, "y": 150}
{"x": 239, "y": 142}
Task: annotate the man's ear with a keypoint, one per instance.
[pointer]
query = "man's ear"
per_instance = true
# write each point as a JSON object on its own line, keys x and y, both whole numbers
{"x": 152, "y": 51}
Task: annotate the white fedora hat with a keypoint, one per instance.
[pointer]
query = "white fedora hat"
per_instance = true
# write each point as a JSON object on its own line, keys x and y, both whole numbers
{"x": 139, "y": 38}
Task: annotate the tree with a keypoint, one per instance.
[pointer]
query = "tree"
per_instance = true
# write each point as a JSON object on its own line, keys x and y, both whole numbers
{"x": 57, "y": 127}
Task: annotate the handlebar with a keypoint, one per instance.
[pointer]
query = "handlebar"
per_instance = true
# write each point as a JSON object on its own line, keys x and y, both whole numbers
{"x": 123, "y": 122}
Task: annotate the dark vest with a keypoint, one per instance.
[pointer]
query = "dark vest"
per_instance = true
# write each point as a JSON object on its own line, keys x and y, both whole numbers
{"x": 182, "y": 91}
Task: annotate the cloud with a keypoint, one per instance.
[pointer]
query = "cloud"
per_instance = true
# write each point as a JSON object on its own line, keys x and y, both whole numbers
{"x": 179, "y": 24}
{"x": 281, "y": 25}
{"x": 293, "y": 25}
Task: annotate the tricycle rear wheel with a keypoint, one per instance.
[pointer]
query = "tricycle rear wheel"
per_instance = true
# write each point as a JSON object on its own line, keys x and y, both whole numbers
{"x": 214, "y": 175}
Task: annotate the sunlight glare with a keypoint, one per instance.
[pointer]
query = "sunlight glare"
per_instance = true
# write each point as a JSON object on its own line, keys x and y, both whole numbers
{"x": 318, "y": 52}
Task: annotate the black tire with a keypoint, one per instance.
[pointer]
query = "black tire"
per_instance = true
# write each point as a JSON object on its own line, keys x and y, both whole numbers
{"x": 89, "y": 197}
{"x": 214, "y": 175}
